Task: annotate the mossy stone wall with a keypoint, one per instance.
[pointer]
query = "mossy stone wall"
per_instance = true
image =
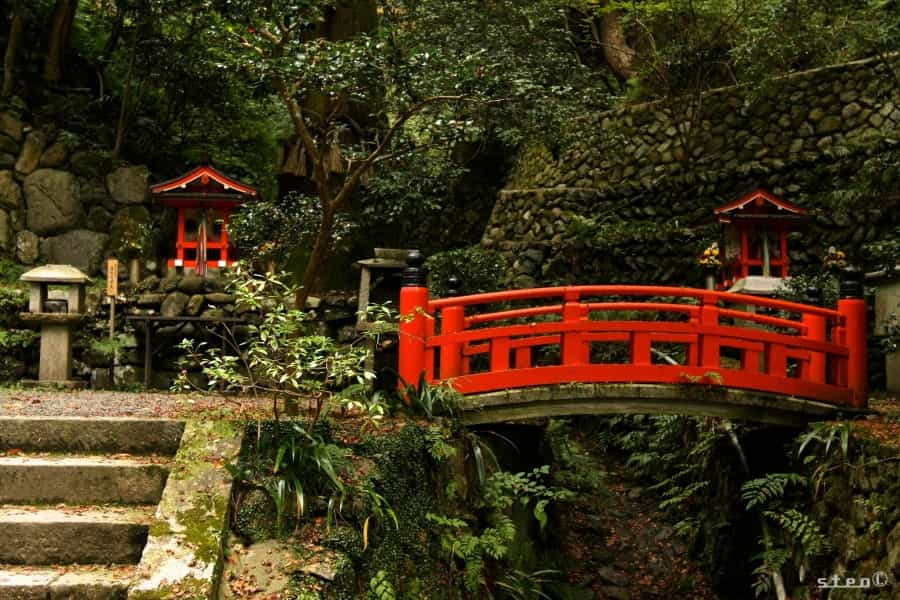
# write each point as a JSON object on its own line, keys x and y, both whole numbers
{"x": 662, "y": 167}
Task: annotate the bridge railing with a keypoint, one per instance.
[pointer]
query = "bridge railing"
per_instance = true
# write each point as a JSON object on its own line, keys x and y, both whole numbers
{"x": 541, "y": 336}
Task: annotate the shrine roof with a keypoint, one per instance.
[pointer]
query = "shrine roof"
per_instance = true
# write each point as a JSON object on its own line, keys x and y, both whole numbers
{"x": 758, "y": 202}
{"x": 203, "y": 181}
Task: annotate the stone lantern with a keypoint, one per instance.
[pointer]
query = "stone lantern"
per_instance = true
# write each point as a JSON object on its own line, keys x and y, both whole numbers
{"x": 56, "y": 301}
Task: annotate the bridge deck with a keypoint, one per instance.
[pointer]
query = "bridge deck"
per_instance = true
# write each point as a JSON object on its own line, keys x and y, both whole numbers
{"x": 605, "y": 399}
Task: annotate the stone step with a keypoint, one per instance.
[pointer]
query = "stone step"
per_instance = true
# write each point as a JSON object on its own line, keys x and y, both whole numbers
{"x": 90, "y": 435}
{"x": 123, "y": 479}
{"x": 73, "y": 534}
{"x": 67, "y": 583}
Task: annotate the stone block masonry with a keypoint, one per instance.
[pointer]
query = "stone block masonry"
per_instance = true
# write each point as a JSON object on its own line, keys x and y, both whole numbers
{"x": 58, "y": 198}
{"x": 658, "y": 170}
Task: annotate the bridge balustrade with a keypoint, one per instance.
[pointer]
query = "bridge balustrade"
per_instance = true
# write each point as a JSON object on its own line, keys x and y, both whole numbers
{"x": 500, "y": 340}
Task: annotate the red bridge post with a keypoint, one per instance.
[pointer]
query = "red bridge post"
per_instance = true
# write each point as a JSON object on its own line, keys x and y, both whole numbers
{"x": 575, "y": 351}
{"x": 709, "y": 342}
{"x": 852, "y": 309}
{"x": 453, "y": 320}
{"x": 413, "y": 320}
{"x": 816, "y": 328}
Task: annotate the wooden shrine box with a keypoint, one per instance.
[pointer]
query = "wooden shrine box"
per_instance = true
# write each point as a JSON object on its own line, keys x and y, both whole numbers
{"x": 205, "y": 199}
{"x": 755, "y": 230}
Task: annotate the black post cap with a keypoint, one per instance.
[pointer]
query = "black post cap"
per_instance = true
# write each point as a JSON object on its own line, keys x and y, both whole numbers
{"x": 414, "y": 273}
{"x": 851, "y": 282}
{"x": 454, "y": 286}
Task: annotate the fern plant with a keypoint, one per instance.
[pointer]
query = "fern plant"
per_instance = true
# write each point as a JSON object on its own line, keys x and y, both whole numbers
{"x": 800, "y": 539}
{"x": 761, "y": 491}
{"x": 380, "y": 587}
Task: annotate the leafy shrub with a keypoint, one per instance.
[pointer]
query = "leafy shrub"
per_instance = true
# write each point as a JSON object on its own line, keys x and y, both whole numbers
{"x": 479, "y": 270}
{"x": 280, "y": 358}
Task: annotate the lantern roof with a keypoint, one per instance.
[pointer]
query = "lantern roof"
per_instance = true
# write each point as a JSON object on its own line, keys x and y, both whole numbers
{"x": 760, "y": 204}
{"x": 55, "y": 274}
{"x": 204, "y": 182}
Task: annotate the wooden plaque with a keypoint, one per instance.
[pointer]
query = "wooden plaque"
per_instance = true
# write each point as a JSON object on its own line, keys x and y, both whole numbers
{"x": 112, "y": 277}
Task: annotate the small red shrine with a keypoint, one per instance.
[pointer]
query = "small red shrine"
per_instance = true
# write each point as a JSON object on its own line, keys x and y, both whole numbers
{"x": 205, "y": 199}
{"x": 755, "y": 228}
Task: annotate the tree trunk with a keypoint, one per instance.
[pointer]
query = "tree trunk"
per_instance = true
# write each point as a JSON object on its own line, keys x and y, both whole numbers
{"x": 317, "y": 257}
{"x": 123, "y": 109}
{"x": 58, "y": 42}
{"x": 616, "y": 50}
{"x": 12, "y": 48}
{"x": 110, "y": 46}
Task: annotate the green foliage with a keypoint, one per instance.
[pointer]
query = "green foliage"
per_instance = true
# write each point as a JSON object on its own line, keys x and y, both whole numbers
{"x": 13, "y": 300}
{"x": 827, "y": 433}
{"x": 795, "y": 288}
{"x": 519, "y": 585}
{"x": 280, "y": 358}
{"x": 290, "y": 462}
{"x": 438, "y": 448}
{"x": 431, "y": 401}
{"x": 479, "y": 270}
{"x": 500, "y": 492}
{"x": 358, "y": 398}
{"x": 770, "y": 560}
{"x": 890, "y": 342}
{"x": 459, "y": 542}
{"x": 689, "y": 46}
{"x": 503, "y": 489}
{"x": 804, "y": 531}
{"x": 763, "y": 490}
{"x": 380, "y": 587}
{"x": 801, "y": 538}
{"x": 10, "y": 271}
{"x": 14, "y": 340}
{"x": 275, "y": 229}
{"x": 106, "y": 347}
{"x": 680, "y": 457}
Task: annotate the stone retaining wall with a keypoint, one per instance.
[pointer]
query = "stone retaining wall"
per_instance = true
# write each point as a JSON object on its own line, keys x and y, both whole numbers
{"x": 662, "y": 167}
{"x": 175, "y": 295}
{"x": 62, "y": 201}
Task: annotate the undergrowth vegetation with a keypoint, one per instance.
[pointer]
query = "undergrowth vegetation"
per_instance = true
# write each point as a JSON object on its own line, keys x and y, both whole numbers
{"x": 700, "y": 467}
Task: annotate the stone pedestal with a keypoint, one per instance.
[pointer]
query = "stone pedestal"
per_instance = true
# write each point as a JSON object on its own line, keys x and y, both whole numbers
{"x": 887, "y": 301}
{"x": 892, "y": 368}
{"x": 56, "y": 352}
{"x": 57, "y": 311}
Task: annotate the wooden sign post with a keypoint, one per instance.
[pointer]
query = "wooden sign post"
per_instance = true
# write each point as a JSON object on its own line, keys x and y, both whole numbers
{"x": 112, "y": 290}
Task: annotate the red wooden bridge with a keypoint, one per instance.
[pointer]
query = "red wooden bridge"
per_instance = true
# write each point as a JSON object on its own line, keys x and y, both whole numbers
{"x": 623, "y": 348}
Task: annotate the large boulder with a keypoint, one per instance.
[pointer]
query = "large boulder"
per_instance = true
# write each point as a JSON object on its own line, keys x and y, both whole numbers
{"x": 31, "y": 152}
{"x": 174, "y": 304}
{"x": 8, "y": 145}
{"x": 125, "y": 227}
{"x": 98, "y": 219}
{"x": 88, "y": 164}
{"x": 81, "y": 248}
{"x": 191, "y": 283}
{"x": 128, "y": 185}
{"x": 53, "y": 201}
{"x": 6, "y": 231}
{"x": 93, "y": 193}
{"x": 10, "y": 192}
{"x": 12, "y": 126}
{"x": 54, "y": 156}
{"x": 27, "y": 247}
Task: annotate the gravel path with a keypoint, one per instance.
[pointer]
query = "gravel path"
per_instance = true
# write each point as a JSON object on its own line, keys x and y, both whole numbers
{"x": 85, "y": 403}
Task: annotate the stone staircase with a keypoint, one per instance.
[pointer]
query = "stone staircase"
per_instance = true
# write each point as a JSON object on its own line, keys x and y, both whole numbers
{"x": 76, "y": 499}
